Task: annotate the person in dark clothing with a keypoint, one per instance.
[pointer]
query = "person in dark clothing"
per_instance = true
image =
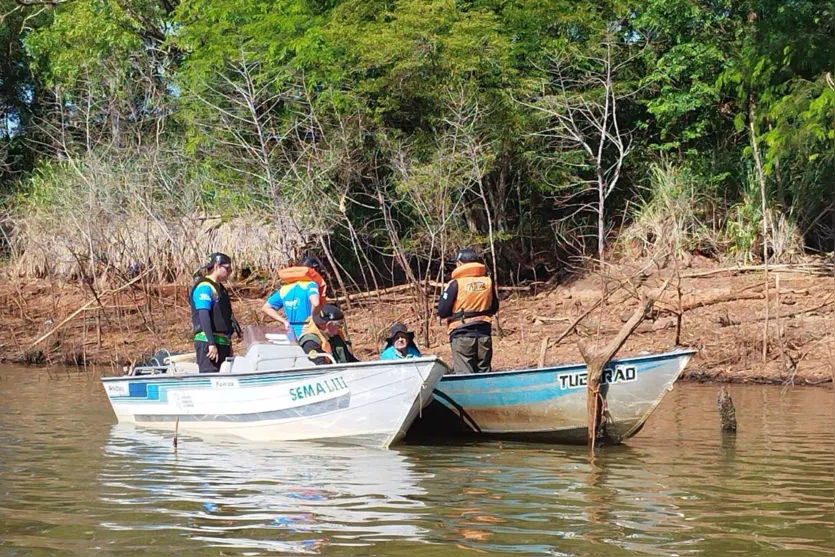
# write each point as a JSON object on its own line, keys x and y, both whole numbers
{"x": 323, "y": 334}
{"x": 211, "y": 314}
{"x": 469, "y": 303}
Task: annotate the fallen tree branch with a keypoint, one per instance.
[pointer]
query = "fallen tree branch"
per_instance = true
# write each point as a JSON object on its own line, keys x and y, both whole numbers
{"x": 576, "y": 322}
{"x": 544, "y": 319}
{"x": 731, "y": 297}
{"x": 822, "y": 269}
{"x": 85, "y": 306}
{"x": 430, "y": 285}
{"x": 825, "y": 303}
{"x": 597, "y": 360}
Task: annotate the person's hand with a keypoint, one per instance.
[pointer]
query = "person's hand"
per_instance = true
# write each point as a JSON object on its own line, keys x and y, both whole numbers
{"x": 212, "y": 352}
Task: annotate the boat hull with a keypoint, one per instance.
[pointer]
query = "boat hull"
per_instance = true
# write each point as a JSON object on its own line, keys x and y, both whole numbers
{"x": 549, "y": 405}
{"x": 369, "y": 403}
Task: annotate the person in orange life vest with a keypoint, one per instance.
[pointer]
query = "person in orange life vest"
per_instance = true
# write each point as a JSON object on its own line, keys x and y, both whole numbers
{"x": 324, "y": 334}
{"x": 468, "y": 303}
{"x": 301, "y": 295}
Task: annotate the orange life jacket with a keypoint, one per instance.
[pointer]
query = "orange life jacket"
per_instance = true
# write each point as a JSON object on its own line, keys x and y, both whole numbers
{"x": 475, "y": 296}
{"x": 289, "y": 275}
{"x": 312, "y": 329}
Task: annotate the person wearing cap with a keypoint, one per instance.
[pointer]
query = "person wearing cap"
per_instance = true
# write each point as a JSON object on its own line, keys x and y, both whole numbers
{"x": 469, "y": 303}
{"x": 400, "y": 344}
{"x": 301, "y": 295}
{"x": 211, "y": 314}
{"x": 323, "y": 334}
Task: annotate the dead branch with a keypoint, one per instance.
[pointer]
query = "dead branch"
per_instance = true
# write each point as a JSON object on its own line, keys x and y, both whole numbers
{"x": 85, "y": 306}
{"x": 816, "y": 269}
{"x": 827, "y": 301}
{"x": 597, "y": 360}
{"x": 576, "y": 322}
{"x": 543, "y": 349}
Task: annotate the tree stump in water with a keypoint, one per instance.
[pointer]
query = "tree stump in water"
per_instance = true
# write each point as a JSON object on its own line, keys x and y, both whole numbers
{"x": 596, "y": 361}
{"x": 727, "y": 412}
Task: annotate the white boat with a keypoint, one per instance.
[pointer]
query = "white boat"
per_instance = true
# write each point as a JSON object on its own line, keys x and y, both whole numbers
{"x": 275, "y": 393}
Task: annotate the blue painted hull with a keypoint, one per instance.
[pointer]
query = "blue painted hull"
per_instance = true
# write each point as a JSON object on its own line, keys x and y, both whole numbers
{"x": 549, "y": 405}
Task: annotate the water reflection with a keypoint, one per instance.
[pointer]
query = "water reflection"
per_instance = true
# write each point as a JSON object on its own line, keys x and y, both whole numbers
{"x": 72, "y": 484}
{"x": 243, "y": 495}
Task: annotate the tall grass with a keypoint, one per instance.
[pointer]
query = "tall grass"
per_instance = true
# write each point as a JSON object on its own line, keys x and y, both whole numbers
{"x": 673, "y": 216}
{"x": 95, "y": 216}
{"x": 679, "y": 215}
{"x": 741, "y": 235}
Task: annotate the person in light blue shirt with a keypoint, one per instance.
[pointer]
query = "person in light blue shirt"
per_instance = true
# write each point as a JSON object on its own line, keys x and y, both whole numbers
{"x": 400, "y": 344}
{"x": 300, "y": 297}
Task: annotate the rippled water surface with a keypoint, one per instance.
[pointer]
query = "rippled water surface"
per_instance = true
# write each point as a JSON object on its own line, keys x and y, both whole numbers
{"x": 74, "y": 483}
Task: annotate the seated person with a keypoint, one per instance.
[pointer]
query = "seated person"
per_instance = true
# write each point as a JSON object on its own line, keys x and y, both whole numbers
{"x": 324, "y": 334}
{"x": 400, "y": 344}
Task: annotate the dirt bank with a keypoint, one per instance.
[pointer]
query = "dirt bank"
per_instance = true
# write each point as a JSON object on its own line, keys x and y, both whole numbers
{"x": 723, "y": 318}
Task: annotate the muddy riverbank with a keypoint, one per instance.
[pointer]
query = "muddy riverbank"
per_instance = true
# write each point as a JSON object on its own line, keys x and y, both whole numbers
{"x": 722, "y": 316}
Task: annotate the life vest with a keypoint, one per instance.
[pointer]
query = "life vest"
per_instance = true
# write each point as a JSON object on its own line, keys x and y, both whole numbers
{"x": 475, "y": 296}
{"x": 289, "y": 275}
{"x": 221, "y": 313}
{"x": 312, "y": 332}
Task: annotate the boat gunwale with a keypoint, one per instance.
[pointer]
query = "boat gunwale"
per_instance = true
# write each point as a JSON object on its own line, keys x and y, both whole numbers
{"x": 646, "y": 357}
{"x": 312, "y": 370}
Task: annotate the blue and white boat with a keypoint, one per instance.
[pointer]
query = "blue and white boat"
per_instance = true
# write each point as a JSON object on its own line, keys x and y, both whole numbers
{"x": 275, "y": 393}
{"x": 549, "y": 404}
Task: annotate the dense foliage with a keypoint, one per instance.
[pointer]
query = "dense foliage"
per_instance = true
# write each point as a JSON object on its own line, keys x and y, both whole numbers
{"x": 387, "y": 132}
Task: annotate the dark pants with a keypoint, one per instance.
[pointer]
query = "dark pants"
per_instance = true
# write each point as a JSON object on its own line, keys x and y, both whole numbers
{"x": 204, "y": 363}
{"x": 472, "y": 354}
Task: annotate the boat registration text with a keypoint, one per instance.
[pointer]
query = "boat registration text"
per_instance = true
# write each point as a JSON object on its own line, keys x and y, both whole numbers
{"x": 577, "y": 379}
{"x": 335, "y": 386}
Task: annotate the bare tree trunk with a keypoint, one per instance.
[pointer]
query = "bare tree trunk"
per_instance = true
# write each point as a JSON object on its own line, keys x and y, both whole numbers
{"x": 335, "y": 268}
{"x": 761, "y": 180}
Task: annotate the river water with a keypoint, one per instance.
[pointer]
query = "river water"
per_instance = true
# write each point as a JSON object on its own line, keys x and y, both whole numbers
{"x": 72, "y": 482}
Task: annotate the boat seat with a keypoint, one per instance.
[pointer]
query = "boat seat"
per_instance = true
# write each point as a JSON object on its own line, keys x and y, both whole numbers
{"x": 274, "y": 351}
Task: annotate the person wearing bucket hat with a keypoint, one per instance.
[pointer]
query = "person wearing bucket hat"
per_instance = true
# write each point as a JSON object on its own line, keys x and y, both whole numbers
{"x": 400, "y": 344}
{"x": 324, "y": 334}
{"x": 211, "y": 314}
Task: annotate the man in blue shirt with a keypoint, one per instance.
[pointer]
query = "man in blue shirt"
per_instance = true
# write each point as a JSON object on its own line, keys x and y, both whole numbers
{"x": 211, "y": 314}
{"x": 400, "y": 344}
{"x": 300, "y": 296}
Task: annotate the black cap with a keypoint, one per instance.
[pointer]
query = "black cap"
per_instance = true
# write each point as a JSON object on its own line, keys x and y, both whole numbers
{"x": 330, "y": 312}
{"x": 399, "y": 328}
{"x": 466, "y": 255}
{"x": 218, "y": 258}
{"x": 310, "y": 261}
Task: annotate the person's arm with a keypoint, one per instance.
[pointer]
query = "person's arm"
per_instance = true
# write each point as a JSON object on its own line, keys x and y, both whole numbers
{"x": 270, "y": 312}
{"x": 203, "y": 299}
{"x": 314, "y": 298}
{"x": 316, "y": 348}
{"x": 447, "y": 300}
{"x": 271, "y": 306}
{"x": 205, "y": 319}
